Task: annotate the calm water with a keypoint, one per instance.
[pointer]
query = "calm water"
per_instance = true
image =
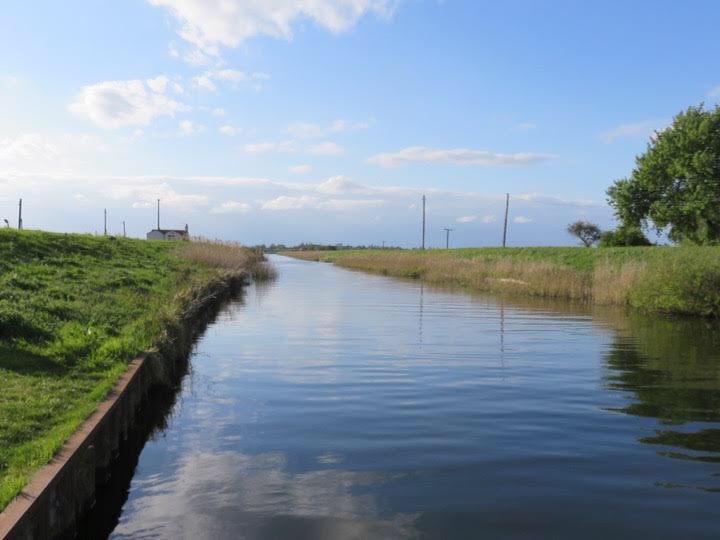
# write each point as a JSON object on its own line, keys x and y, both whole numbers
{"x": 334, "y": 404}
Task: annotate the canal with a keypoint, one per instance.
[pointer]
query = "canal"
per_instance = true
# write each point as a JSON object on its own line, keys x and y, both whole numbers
{"x": 332, "y": 404}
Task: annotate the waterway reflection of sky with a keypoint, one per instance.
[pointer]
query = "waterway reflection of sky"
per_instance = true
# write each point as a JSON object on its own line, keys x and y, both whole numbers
{"x": 333, "y": 404}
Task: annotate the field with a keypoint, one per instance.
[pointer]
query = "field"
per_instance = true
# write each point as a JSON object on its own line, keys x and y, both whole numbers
{"x": 74, "y": 310}
{"x": 683, "y": 280}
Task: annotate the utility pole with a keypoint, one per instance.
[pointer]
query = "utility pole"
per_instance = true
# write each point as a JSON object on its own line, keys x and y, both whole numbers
{"x": 383, "y": 244}
{"x": 20, "y": 223}
{"x": 158, "y": 215}
{"x": 124, "y": 234}
{"x": 105, "y": 222}
{"x": 447, "y": 237}
{"x": 507, "y": 207}
{"x": 423, "y": 223}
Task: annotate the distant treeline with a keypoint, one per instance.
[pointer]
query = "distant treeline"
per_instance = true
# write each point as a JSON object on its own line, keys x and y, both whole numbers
{"x": 306, "y": 246}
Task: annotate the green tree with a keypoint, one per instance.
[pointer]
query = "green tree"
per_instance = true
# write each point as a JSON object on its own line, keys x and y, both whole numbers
{"x": 676, "y": 182}
{"x": 587, "y": 232}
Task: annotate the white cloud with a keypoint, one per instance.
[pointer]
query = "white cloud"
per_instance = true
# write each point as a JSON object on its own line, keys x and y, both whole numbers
{"x": 522, "y": 219}
{"x": 9, "y": 81}
{"x": 208, "y": 79}
{"x": 116, "y": 104}
{"x": 457, "y": 156}
{"x": 230, "y": 131}
{"x": 309, "y": 130}
{"x": 327, "y": 148}
{"x": 146, "y": 196}
{"x": 270, "y": 146}
{"x": 300, "y": 169}
{"x": 204, "y": 82}
{"x": 196, "y": 57}
{"x": 29, "y": 145}
{"x": 36, "y": 151}
{"x": 340, "y": 125}
{"x": 285, "y": 202}
{"x": 546, "y": 200}
{"x": 524, "y": 127}
{"x": 349, "y": 204}
{"x": 212, "y": 24}
{"x": 341, "y": 184}
{"x": 229, "y": 75}
{"x": 218, "y": 112}
{"x": 188, "y": 127}
{"x": 305, "y": 130}
{"x": 158, "y": 84}
{"x": 714, "y": 92}
{"x": 231, "y": 207}
{"x": 466, "y": 219}
{"x": 490, "y": 218}
{"x": 642, "y": 129}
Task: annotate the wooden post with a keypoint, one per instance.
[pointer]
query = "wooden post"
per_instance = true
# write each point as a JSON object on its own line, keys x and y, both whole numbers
{"x": 507, "y": 206}
{"x": 423, "y": 223}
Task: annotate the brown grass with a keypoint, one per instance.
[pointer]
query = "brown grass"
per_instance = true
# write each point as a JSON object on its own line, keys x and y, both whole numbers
{"x": 607, "y": 284}
{"x": 227, "y": 256}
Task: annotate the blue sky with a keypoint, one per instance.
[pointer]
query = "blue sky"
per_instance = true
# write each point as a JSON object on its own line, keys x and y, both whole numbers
{"x": 325, "y": 120}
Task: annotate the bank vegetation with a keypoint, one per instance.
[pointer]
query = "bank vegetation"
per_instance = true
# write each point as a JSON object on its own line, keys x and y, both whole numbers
{"x": 74, "y": 310}
{"x": 679, "y": 279}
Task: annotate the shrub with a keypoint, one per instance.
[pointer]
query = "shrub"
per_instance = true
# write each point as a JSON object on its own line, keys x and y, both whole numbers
{"x": 623, "y": 237}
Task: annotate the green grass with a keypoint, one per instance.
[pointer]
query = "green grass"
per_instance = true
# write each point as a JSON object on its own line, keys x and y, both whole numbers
{"x": 74, "y": 309}
{"x": 683, "y": 280}
{"x": 577, "y": 258}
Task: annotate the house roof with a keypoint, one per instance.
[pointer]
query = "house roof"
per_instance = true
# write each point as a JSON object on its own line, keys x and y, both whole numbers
{"x": 165, "y": 231}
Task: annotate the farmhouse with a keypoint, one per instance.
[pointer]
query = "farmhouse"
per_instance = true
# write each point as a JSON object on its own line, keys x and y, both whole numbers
{"x": 169, "y": 234}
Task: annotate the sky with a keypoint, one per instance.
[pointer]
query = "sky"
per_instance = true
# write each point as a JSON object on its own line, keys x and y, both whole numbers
{"x": 285, "y": 121}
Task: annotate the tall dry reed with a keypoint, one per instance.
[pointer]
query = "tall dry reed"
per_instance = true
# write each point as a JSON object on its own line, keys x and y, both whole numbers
{"x": 607, "y": 284}
{"x": 230, "y": 257}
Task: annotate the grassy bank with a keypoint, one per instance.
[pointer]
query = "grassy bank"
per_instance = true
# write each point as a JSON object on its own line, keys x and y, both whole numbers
{"x": 74, "y": 310}
{"x": 684, "y": 280}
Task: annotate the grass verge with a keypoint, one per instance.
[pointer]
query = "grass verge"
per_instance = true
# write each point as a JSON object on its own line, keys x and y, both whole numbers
{"x": 74, "y": 310}
{"x": 683, "y": 280}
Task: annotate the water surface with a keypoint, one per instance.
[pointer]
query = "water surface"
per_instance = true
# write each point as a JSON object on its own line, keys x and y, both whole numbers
{"x": 334, "y": 404}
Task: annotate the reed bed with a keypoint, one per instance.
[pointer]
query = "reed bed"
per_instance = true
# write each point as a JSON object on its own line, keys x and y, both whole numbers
{"x": 682, "y": 280}
{"x": 231, "y": 257}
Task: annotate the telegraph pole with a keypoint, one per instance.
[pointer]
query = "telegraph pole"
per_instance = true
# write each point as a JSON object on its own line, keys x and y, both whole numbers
{"x": 158, "y": 215}
{"x": 423, "y": 223}
{"x": 447, "y": 237}
{"x": 124, "y": 233}
{"x": 105, "y": 222}
{"x": 507, "y": 207}
{"x": 20, "y": 223}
